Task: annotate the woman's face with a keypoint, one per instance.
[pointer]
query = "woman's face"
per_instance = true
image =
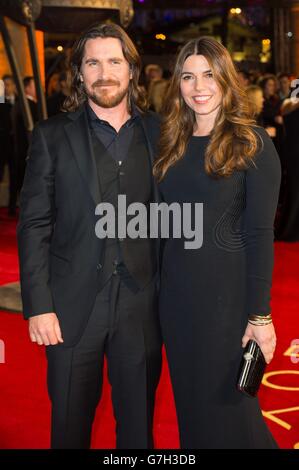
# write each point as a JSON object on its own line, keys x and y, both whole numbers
{"x": 270, "y": 87}
{"x": 198, "y": 86}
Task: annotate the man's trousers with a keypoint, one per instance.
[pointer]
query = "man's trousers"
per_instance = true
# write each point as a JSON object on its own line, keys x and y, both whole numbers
{"x": 123, "y": 326}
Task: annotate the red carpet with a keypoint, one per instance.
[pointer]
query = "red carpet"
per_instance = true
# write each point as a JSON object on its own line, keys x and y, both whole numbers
{"x": 9, "y": 269}
{"x": 24, "y": 406}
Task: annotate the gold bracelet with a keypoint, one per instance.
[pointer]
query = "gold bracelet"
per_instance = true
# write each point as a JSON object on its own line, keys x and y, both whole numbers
{"x": 256, "y": 323}
{"x": 259, "y": 320}
{"x": 260, "y": 317}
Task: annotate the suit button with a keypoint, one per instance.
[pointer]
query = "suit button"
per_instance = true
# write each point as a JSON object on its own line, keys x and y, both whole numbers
{"x": 121, "y": 239}
{"x": 99, "y": 267}
{"x": 121, "y": 173}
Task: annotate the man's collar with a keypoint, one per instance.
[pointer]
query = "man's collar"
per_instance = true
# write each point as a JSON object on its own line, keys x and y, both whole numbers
{"x": 93, "y": 117}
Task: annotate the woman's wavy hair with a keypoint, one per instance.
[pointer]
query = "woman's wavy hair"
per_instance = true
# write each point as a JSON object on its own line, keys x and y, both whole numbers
{"x": 78, "y": 96}
{"x": 233, "y": 143}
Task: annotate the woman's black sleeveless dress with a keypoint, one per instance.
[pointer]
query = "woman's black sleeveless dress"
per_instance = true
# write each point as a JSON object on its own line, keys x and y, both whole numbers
{"x": 208, "y": 293}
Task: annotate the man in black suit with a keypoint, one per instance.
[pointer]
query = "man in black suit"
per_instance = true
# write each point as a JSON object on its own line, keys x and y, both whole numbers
{"x": 87, "y": 297}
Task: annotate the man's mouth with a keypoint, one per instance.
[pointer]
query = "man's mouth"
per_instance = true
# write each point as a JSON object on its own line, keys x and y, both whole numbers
{"x": 104, "y": 85}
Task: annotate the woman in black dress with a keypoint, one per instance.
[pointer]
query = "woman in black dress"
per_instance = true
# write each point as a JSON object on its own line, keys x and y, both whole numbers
{"x": 214, "y": 299}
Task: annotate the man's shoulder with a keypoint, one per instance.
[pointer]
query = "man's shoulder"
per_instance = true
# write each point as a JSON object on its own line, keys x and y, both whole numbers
{"x": 152, "y": 122}
{"x": 54, "y": 121}
{"x": 59, "y": 120}
{"x": 151, "y": 117}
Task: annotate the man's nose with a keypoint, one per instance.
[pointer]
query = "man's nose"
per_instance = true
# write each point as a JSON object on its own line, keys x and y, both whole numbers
{"x": 103, "y": 71}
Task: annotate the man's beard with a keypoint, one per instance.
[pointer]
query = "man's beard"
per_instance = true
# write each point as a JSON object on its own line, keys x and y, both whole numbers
{"x": 103, "y": 97}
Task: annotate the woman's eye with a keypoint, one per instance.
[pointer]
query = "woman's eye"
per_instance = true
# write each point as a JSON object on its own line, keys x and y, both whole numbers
{"x": 187, "y": 77}
{"x": 209, "y": 75}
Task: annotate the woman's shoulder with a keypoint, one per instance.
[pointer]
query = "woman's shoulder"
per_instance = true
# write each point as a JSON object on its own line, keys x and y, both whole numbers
{"x": 266, "y": 156}
{"x": 264, "y": 141}
{"x": 261, "y": 133}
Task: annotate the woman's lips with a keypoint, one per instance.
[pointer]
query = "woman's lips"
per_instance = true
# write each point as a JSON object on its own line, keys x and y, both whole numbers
{"x": 201, "y": 99}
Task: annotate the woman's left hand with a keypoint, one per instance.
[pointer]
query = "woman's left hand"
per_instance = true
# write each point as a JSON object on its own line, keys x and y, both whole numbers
{"x": 265, "y": 338}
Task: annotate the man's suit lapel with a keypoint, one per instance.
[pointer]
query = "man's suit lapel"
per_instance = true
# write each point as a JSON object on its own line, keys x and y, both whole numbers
{"x": 80, "y": 142}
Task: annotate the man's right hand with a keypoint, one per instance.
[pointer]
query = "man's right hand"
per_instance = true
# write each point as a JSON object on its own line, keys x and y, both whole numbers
{"x": 45, "y": 329}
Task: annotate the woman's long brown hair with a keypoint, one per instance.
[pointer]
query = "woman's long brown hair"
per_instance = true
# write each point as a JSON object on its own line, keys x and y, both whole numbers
{"x": 233, "y": 143}
{"x": 78, "y": 96}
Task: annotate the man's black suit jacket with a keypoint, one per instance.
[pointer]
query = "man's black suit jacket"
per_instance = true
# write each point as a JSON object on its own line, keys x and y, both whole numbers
{"x": 59, "y": 252}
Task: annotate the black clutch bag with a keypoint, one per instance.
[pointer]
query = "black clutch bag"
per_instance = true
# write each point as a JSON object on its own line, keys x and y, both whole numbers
{"x": 252, "y": 369}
